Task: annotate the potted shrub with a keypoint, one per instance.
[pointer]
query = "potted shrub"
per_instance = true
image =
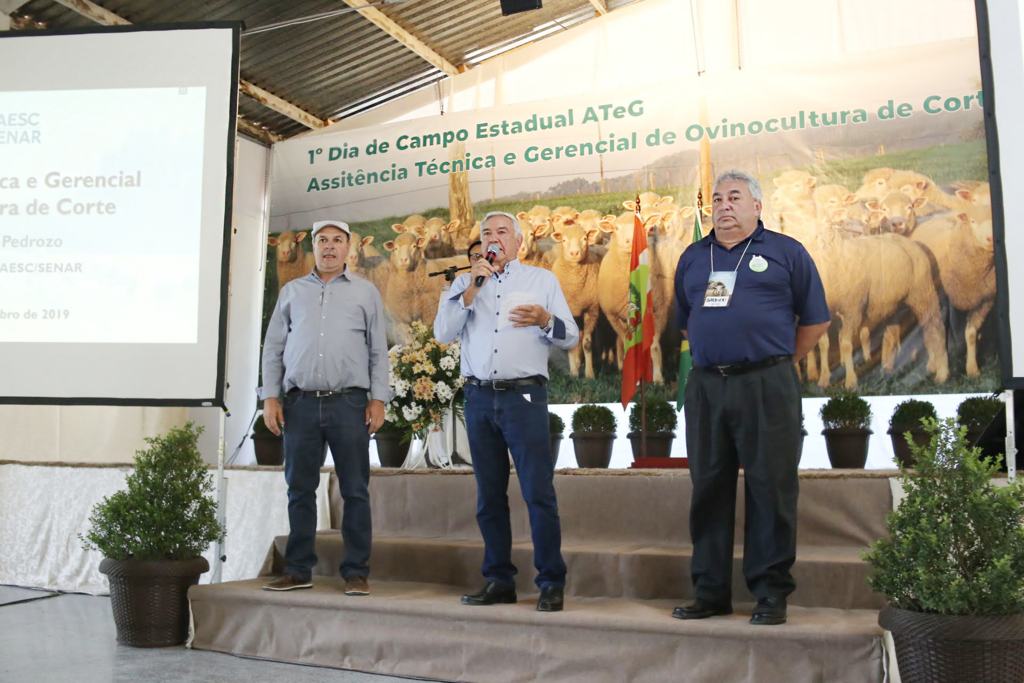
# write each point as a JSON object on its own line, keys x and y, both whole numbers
{"x": 907, "y": 419}
{"x": 847, "y": 420}
{"x": 393, "y": 441}
{"x": 269, "y": 446}
{"x": 951, "y": 567}
{"x": 152, "y": 535}
{"x": 803, "y": 435}
{"x": 593, "y": 435}
{"x": 557, "y": 427}
{"x": 661, "y": 425}
{"x": 976, "y": 413}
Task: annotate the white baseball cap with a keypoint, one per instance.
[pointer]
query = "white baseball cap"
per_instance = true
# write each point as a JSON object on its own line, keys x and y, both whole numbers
{"x": 320, "y": 225}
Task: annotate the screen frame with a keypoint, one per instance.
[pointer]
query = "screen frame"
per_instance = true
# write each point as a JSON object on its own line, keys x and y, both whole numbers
{"x": 217, "y": 400}
{"x": 1002, "y": 307}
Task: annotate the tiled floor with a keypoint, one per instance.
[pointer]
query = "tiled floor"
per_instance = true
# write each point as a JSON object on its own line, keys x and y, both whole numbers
{"x": 71, "y": 639}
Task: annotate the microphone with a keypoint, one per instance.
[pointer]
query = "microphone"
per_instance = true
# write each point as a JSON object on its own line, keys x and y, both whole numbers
{"x": 492, "y": 251}
{"x": 449, "y": 272}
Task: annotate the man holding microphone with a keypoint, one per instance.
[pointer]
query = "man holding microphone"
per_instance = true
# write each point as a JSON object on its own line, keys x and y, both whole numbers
{"x": 507, "y": 315}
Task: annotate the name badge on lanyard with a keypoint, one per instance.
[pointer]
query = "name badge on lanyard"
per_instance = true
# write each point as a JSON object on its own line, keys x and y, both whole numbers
{"x": 721, "y": 285}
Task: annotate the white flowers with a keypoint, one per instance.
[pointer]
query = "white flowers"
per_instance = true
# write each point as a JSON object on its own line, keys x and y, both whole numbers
{"x": 412, "y": 411}
{"x": 443, "y": 391}
{"x": 448, "y": 363}
{"x": 400, "y": 387}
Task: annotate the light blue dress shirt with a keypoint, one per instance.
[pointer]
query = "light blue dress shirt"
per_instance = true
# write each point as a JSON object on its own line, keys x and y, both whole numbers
{"x": 491, "y": 351}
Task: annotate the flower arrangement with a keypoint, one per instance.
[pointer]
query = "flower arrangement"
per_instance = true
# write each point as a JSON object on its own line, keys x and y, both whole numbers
{"x": 425, "y": 381}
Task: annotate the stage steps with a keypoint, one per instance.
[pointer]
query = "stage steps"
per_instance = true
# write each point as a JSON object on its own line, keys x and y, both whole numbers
{"x": 626, "y": 544}
{"x": 421, "y": 630}
{"x": 826, "y": 576}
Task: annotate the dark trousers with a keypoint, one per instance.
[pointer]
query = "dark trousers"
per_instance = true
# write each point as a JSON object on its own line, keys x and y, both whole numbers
{"x": 499, "y": 423}
{"x": 340, "y": 421}
{"x": 751, "y": 420}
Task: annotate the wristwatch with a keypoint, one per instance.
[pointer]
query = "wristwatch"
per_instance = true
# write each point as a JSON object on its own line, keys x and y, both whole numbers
{"x": 550, "y": 326}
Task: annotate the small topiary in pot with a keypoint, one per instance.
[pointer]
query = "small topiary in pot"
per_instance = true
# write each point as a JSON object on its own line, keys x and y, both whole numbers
{"x": 661, "y": 424}
{"x": 593, "y": 435}
{"x": 976, "y": 413}
{"x": 905, "y": 426}
{"x": 847, "y": 421}
{"x": 556, "y": 428}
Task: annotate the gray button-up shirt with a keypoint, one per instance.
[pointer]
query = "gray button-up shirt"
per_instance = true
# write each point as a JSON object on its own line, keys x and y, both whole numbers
{"x": 325, "y": 337}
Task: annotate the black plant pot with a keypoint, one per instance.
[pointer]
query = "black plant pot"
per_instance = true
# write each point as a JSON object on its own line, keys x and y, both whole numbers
{"x": 150, "y": 599}
{"x": 900, "y": 447}
{"x": 391, "y": 450}
{"x": 974, "y": 434}
{"x": 939, "y": 648}
{"x": 556, "y": 441}
{"x": 847, "y": 447}
{"x": 269, "y": 449}
{"x": 659, "y": 444}
{"x": 593, "y": 449}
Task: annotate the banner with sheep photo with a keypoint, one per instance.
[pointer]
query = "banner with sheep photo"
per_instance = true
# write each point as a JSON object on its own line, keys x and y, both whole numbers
{"x": 879, "y": 171}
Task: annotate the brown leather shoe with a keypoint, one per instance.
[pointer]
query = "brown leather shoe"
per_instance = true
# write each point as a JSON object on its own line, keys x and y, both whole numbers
{"x": 287, "y": 582}
{"x": 356, "y": 585}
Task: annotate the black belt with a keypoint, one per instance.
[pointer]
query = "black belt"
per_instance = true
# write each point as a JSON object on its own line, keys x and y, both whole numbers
{"x": 505, "y": 384}
{"x": 323, "y": 394}
{"x": 742, "y": 368}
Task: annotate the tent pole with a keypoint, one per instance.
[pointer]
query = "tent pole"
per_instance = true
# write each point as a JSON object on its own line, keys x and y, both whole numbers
{"x": 222, "y": 494}
{"x": 1011, "y": 441}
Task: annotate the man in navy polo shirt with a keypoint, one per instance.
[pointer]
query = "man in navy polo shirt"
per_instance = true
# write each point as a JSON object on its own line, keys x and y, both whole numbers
{"x": 751, "y": 302}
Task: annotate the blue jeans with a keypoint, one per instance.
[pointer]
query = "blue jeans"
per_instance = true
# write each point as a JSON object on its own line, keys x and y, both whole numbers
{"x": 340, "y": 421}
{"x": 500, "y": 422}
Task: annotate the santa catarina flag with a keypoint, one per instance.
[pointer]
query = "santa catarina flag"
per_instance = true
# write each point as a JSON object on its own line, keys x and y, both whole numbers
{"x": 639, "y": 314}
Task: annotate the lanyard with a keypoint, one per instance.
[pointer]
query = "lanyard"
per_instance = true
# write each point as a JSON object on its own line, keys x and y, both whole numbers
{"x": 736, "y": 270}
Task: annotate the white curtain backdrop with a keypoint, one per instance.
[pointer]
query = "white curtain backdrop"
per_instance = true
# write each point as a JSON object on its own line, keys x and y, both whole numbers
{"x": 43, "y": 509}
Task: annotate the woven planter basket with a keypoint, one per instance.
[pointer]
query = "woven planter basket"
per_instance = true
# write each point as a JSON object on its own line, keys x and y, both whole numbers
{"x": 937, "y": 648}
{"x": 150, "y": 599}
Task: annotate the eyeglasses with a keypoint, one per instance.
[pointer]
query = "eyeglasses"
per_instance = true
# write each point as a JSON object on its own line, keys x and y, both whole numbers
{"x": 475, "y": 257}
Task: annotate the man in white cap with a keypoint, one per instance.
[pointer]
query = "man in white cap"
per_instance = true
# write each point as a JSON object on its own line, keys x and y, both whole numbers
{"x": 326, "y": 354}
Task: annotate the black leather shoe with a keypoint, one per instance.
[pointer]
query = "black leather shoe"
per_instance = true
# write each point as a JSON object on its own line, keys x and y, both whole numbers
{"x": 491, "y": 594}
{"x": 551, "y": 599}
{"x": 769, "y": 612}
{"x": 702, "y": 609}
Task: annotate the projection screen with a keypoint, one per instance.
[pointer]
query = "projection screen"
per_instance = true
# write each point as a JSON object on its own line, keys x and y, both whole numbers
{"x": 116, "y": 160}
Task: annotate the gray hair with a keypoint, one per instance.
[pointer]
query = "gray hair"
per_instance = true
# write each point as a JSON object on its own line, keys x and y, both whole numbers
{"x": 736, "y": 175}
{"x": 515, "y": 221}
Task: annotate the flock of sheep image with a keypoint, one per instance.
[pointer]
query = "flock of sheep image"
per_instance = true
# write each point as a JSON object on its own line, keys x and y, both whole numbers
{"x": 899, "y": 244}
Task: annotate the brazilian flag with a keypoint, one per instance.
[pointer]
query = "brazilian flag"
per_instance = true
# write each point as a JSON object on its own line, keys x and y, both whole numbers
{"x": 685, "y": 359}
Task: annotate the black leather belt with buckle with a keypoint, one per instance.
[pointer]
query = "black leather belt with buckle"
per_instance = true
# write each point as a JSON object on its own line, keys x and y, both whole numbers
{"x": 506, "y": 384}
{"x": 323, "y": 394}
{"x": 743, "y": 368}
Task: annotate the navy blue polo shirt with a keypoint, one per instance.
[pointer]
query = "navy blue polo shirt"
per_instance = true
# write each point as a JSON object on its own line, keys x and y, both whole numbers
{"x": 760, "y": 320}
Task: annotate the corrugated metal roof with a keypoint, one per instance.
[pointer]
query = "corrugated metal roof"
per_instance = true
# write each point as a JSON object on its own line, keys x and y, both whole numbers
{"x": 344, "y": 65}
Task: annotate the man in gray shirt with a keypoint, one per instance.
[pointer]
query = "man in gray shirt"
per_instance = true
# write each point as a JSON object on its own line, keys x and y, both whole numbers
{"x": 326, "y": 354}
